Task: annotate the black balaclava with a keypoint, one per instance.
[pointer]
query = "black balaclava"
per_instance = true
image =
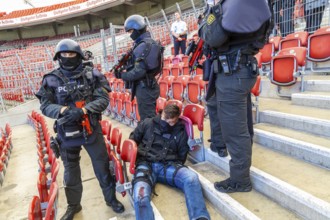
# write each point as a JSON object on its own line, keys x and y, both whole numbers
{"x": 70, "y": 63}
{"x": 136, "y": 33}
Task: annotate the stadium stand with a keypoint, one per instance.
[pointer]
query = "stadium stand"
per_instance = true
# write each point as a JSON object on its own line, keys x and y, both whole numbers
{"x": 297, "y": 63}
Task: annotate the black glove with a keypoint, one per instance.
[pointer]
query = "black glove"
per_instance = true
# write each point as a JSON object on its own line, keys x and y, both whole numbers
{"x": 73, "y": 114}
{"x": 117, "y": 74}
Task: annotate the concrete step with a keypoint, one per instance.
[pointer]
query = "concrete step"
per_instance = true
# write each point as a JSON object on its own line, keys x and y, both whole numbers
{"x": 286, "y": 106}
{"x": 297, "y": 122}
{"x": 313, "y": 99}
{"x": 292, "y": 183}
{"x": 171, "y": 204}
{"x": 321, "y": 85}
{"x": 251, "y": 205}
{"x": 302, "y": 145}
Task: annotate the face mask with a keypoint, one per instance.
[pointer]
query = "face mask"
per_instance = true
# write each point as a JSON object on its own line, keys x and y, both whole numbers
{"x": 165, "y": 127}
{"x": 135, "y": 34}
{"x": 70, "y": 63}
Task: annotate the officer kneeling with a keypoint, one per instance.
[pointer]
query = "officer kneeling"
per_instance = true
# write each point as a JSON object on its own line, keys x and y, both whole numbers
{"x": 162, "y": 151}
{"x": 76, "y": 95}
{"x": 235, "y": 30}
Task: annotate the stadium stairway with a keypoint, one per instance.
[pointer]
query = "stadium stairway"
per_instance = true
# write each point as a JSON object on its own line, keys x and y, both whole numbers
{"x": 290, "y": 167}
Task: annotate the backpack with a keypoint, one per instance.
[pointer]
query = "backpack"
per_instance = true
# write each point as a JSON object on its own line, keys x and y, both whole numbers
{"x": 236, "y": 22}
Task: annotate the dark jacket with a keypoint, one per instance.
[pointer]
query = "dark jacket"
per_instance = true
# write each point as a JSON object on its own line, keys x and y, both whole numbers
{"x": 88, "y": 85}
{"x": 150, "y": 130}
{"x": 143, "y": 62}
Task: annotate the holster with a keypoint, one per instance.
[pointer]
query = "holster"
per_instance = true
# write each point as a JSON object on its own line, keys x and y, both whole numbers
{"x": 212, "y": 78}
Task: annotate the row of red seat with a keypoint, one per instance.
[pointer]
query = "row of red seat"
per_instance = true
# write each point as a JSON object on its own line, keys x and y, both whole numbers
{"x": 286, "y": 59}
{"x": 44, "y": 206}
{"x": 6, "y": 147}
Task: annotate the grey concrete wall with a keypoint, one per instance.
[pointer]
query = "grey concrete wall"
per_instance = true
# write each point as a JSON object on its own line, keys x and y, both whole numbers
{"x": 18, "y": 115}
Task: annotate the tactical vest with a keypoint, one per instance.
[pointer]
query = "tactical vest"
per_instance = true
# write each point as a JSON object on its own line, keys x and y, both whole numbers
{"x": 152, "y": 50}
{"x": 226, "y": 29}
{"x": 159, "y": 147}
{"x": 68, "y": 92}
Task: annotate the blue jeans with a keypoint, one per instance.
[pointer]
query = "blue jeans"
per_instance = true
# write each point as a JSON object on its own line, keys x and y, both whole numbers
{"x": 185, "y": 179}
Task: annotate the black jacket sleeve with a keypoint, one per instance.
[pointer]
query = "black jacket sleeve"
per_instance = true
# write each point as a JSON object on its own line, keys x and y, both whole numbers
{"x": 138, "y": 133}
{"x": 100, "y": 94}
{"x": 46, "y": 96}
{"x": 139, "y": 70}
{"x": 183, "y": 147}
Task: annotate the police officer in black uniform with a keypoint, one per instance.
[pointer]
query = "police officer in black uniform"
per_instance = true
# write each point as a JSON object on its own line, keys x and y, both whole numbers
{"x": 59, "y": 94}
{"x": 145, "y": 64}
{"x": 236, "y": 72}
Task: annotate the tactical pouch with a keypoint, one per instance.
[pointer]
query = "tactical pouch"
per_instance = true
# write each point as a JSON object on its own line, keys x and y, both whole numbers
{"x": 207, "y": 69}
{"x": 72, "y": 131}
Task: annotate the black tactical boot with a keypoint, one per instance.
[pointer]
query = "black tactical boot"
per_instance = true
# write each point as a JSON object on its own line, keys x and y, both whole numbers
{"x": 71, "y": 211}
{"x": 229, "y": 186}
{"x": 116, "y": 206}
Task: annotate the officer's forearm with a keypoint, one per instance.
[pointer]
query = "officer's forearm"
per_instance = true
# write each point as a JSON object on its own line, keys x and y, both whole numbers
{"x": 51, "y": 110}
{"x": 100, "y": 103}
{"x": 137, "y": 73}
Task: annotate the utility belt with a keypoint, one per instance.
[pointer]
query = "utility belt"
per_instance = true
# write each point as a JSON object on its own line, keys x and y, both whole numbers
{"x": 231, "y": 63}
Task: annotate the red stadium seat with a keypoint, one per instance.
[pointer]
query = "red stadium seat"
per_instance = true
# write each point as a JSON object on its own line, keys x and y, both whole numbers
{"x": 160, "y": 104}
{"x": 298, "y": 39}
{"x": 319, "y": 48}
{"x": 178, "y": 87}
{"x": 286, "y": 65}
{"x": 106, "y": 128}
{"x": 196, "y": 114}
{"x": 129, "y": 153}
{"x": 52, "y": 202}
{"x": 35, "y": 209}
{"x": 115, "y": 139}
{"x": 117, "y": 169}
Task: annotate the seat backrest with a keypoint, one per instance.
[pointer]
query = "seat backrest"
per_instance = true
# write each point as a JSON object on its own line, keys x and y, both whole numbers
{"x": 298, "y": 52}
{"x": 275, "y": 41}
{"x": 160, "y": 104}
{"x": 193, "y": 92}
{"x": 106, "y": 128}
{"x": 129, "y": 153}
{"x": 298, "y": 39}
{"x": 256, "y": 88}
{"x": 196, "y": 114}
{"x": 42, "y": 187}
{"x": 117, "y": 168}
{"x": 35, "y": 209}
{"x": 115, "y": 139}
{"x": 175, "y": 102}
{"x": 319, "y": 45}
{"x": 188, "y": 126}
{"x": 51, "y": 207}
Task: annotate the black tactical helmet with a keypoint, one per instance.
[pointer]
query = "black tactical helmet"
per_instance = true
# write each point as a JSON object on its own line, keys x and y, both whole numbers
{"x": 68, "y": 45}
{"x": 135, "y": 22}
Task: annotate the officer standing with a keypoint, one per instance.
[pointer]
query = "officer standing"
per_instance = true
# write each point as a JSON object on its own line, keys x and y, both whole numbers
{"x": 145, "y": 64}
{"x": 179, "y": 33}
{"x": 236, "y": 38}
{"x": 61, "y": 91}
{"x": 162, "y": 152}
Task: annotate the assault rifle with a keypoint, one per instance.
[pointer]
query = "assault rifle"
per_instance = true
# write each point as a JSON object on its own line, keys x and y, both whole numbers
{"x": 122, "y": 61}
{"x": 197, "y": 53}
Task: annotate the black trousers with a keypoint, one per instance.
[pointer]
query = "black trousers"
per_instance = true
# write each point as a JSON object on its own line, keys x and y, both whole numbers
{"x": 146, "y": 99}
{"x": 72, "y": 172}
{"x": 179, "y": 45}
{"x": 233, "y": 95}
